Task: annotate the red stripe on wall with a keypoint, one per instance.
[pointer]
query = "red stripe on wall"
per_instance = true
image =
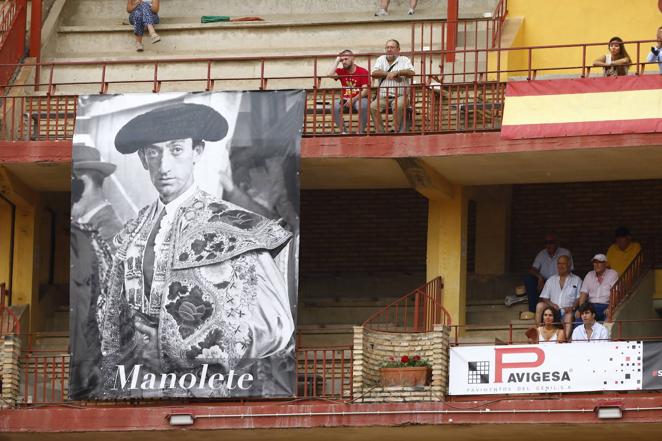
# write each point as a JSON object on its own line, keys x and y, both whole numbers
{"x": 583, "y": 85}
{"x": 649, "y": 125}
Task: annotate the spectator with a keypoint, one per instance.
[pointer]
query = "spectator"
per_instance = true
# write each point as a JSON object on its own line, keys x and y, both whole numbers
{"x": 143, "y": 14}
{"x": 590, "y": 329}
{"x": 617, "y": 61}
{"x": 544, "y": 266}
{"x": 597, "y": 286}
{"x": 383, "y": 8}
{"x": 622, "y": 251}
{"x": 550, "y": 330}
{"x": 394, "y": 72}
{"x": 355, "y": 81}
{"x": 655, "y": 55}
{"x": 561, "y": 294}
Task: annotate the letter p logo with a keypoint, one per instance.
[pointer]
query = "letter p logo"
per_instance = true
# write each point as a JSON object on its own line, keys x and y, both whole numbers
{"x": 500, "y": 365}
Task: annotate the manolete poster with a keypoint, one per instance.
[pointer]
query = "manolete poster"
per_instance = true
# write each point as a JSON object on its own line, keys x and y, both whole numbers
{"x": 184, "y": 245}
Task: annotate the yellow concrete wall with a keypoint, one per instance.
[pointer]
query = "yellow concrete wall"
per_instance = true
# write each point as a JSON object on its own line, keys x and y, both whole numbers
{"x": 5, "y": 241}
{"x": 580, "y": 21}
{"x": 447, "y": 250}
{"x": 658, "y": 284}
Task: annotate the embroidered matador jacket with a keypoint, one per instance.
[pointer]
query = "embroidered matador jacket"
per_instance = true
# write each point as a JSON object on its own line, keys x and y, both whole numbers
{"x": 217, "y": 296}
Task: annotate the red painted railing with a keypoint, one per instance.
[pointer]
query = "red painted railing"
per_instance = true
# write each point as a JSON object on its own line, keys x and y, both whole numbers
{"x": 324, "y": 372}
{"x": 627, "y": 282}
{"x": 206, "y": 74}
{"x": 44, "y": 377}
{"x": 514, "y": 334}
{"x": 9, "y": 323}
{"x": 12, "y": 37}
{"x": 417, "y": 311}
{"x": 433, "y": 108}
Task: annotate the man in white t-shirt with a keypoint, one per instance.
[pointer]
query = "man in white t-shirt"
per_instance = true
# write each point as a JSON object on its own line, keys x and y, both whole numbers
{"x": 590, "y": 330}
{"x": 561, "y": 292}
{"x": 544, "y": 267}
{"x": 394, "y": 73}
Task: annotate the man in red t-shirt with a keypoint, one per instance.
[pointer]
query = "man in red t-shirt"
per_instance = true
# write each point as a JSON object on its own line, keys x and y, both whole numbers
{"x": 353, "y": 99}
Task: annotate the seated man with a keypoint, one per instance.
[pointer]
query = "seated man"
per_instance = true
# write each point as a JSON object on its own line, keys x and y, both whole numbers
{"x": 561, "y": 292}
{"x": 622, "y": 251}
{"x": 590, "y": 330}
{"x": 394, "y": 72}
{"x": 597, "y": 286}
{"x": 544, "y": 267}
{"x": 355, "y": 81}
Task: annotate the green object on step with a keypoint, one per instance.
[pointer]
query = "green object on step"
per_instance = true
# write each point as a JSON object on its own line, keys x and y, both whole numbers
{"x": 214, "y": 18}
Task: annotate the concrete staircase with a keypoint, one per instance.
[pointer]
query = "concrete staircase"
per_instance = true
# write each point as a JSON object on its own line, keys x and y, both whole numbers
{"x": 95, "y": 30}
{"x": 488, "y": 320}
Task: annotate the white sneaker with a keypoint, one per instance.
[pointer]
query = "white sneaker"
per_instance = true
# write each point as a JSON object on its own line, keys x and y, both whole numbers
{"x": 411, "y": 11}
{"x": 381, "y": 13}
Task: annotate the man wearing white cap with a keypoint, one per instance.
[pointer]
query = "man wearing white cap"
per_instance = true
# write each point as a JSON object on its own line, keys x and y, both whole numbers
{"x": 597, "y": 286}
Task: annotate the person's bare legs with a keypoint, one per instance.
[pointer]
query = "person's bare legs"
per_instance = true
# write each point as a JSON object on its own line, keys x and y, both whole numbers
{"x": 139, "y": 43}
{"x": 383, "y": 8}
{"x": 153, "y": 34}
{"x": 412, "y": 6}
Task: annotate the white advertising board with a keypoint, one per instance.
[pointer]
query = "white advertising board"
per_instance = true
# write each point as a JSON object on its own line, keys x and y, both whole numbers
{"x": 524, "y": 369}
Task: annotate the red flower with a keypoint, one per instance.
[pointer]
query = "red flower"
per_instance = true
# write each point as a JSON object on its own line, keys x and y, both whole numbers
{"x": 404, "y": 359}
{"x": 392, "y": 358}
{"x": 417, "y": 358}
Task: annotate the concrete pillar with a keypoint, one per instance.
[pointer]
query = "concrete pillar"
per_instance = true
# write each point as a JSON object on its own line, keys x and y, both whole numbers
{"x": 25, "y": 284}
{"x": 440, "y": 361}
{"x": 5, "y": 241}
{"x": 357, "y": 367}
{"x": 447, "y": 250}
{"x": 9, "y": 353}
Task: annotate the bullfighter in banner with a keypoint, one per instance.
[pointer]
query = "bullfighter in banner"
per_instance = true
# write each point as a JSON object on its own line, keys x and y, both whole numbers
{"x": 194, "y": 301}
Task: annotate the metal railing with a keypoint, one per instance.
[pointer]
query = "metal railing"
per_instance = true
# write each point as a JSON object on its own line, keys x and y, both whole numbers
{"x": 627, "y": 282}
{"x": 437, "y": 102}
{"x": 322, "y": 372}
{"x": 265, "y": 72}
{"x": 9, "y": 323}
{"x": 511, "y": 334}
{"x": 44, "y": 377}
{"x": 415, "y": 312}
{"x": 433, "y": 108}
{"x": 12, "y": 37}
{"x": 325, "y": 372}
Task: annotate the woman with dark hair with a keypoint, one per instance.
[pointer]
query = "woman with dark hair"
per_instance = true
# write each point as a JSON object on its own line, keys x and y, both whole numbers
{"x": 550, "y": 330}
{"x": 617, "y": 61}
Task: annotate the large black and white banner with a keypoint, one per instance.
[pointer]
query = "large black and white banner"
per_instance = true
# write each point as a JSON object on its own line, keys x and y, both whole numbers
{"x": 574, "y": 367}
{"x": 184, "y": 245}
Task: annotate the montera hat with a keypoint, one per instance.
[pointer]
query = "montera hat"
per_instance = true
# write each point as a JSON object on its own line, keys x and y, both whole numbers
{"x": 176, "y": 121}
{"x": 88, "y": 158}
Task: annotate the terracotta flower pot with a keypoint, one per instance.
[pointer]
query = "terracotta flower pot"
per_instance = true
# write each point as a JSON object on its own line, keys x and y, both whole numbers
{"x": 406, "y": 376}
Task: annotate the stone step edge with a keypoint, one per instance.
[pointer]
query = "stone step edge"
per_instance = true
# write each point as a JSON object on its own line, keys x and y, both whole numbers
{"x": 124, "y": 26}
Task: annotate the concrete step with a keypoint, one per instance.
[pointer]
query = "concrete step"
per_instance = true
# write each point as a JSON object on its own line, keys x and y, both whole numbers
{"x": 80, "y": 11}
{"x": 218, "y": 40}
{"x": 493, "y": 313}
{"x": 314, "y": 335}
{"x": 347, "y": 314}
